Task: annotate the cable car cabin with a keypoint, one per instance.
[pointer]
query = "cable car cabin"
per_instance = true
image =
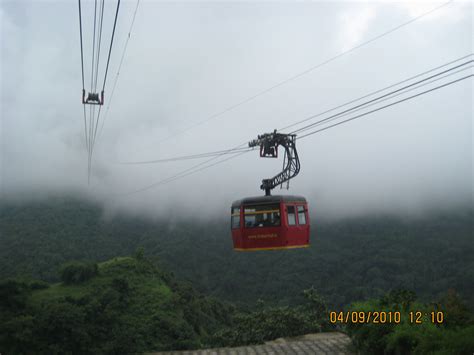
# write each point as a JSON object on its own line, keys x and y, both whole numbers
{"x": 270, "y": 222}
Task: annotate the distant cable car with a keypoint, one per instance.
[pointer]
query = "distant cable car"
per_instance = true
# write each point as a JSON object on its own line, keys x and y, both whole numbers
{"x": 272, "y": 222}
{"x": 93, "y": 98}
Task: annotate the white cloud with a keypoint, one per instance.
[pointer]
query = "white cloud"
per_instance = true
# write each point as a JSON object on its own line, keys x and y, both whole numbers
{"x": 354, "y": 24}
{"x": 451, "y": 11}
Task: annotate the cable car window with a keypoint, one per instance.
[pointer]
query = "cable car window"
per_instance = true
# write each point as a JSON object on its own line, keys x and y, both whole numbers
{"x": 262, "y": 216}
{"x": 301, "y": 215}
{"x": 291, "y": 215}
{"x": 250, "y": 221}
{"x": 235, "y": 219}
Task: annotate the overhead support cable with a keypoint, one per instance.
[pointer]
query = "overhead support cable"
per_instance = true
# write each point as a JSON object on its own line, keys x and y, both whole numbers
{"x": 386, "y": 106}
{"x": 376, "y": 92}
{"x": 380, "y": 97}
{"x": 364, "y": 105}
{"x": 390, "y": 97}
{"x": 96, "y": 125}
{"x": 111, "y": 43}
{"x": 93, "y": 46}
{"x": 83, "y": 81}
{"x": 85, "y": 129}
{"x": 95, "y": 119}
{"x": 91, "y": 110}
{"x": 109, "y": 100}
{"x": 94, "y": 131}
{"x": 82, "y": 50}
{"x": 184, "y": 173}
{"x": 202, "y": 166}
{"x": 101, "y": 18}
{"x": 187, "y": 157}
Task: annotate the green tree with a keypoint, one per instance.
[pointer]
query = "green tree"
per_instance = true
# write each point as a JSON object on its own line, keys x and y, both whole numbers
{"x": 139, "y": 253}
{"x": 76, "y": 272}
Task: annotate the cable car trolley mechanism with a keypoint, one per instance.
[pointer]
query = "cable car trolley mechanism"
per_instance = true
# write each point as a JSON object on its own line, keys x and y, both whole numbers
{"x": 272, "y": 222}
{"x": 92, "y": 98}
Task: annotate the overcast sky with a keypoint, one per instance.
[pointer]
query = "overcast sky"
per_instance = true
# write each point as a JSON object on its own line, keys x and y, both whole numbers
{"x": 189, "y": 60}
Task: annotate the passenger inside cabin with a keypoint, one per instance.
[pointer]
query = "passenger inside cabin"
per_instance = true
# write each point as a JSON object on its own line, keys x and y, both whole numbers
{"x": 276, "y": 219}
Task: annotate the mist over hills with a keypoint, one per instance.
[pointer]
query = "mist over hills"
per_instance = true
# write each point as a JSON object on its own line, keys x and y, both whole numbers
{"x": 352, "y": 258}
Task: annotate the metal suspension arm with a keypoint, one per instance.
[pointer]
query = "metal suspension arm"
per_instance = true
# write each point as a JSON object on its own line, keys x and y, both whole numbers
{"x": 269, "y": 143}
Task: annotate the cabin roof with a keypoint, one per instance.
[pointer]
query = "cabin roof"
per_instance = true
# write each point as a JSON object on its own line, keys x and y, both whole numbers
{"x": 257, "y": 200}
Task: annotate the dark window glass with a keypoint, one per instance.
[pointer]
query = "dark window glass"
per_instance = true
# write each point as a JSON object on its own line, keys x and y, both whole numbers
{"x": 301, "y": 215}
{"x": 291, "y": 215}
{"x": 262, "y": 215}
{"x": 235, "y": 219}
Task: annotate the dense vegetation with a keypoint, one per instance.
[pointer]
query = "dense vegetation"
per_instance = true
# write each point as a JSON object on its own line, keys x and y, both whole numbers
{"x": 127, "y": 305}
{"x": 349, "y": 260}
{"x": 269, "y": 323}
{"x": 449, "y": 330}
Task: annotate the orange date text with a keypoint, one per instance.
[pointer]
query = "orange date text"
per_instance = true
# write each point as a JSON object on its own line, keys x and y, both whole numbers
{"x": 354, "y": 317}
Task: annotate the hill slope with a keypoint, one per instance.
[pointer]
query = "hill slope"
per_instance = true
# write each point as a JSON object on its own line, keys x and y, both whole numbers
{"x": 348, "y": 259}
{"x": 127, "y": 306}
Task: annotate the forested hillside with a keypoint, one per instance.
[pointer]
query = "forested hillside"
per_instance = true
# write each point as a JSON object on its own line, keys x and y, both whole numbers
{"x": 122, "y": 305}
{"x": 351, "y": 259}
{"x": 128, "y": 305}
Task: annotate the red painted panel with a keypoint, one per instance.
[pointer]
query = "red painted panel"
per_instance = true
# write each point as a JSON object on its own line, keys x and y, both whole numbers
{"x": 284, "y": 236}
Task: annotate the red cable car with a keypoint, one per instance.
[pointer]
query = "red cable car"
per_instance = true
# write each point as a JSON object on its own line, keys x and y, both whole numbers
{"x": 270, "y": 222}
